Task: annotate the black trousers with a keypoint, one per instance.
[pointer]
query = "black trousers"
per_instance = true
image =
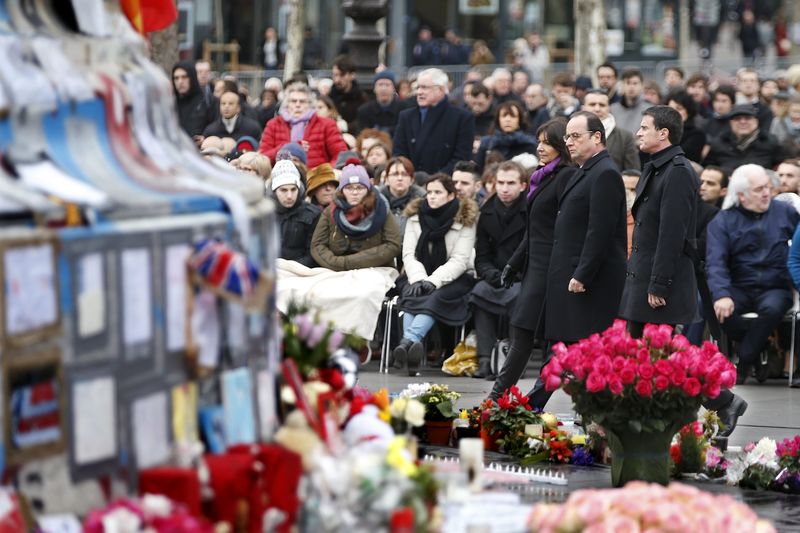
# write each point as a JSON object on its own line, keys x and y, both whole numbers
{"x": 522, "y": 341}
{"x": 720, "y": 402}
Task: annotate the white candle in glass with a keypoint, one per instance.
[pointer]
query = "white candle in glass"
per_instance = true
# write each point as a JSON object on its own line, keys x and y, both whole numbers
{"x": 471, "y": 458}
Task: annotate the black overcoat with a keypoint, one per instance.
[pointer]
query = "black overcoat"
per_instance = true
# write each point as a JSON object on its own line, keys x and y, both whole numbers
{"x": 297, "y": 227}
{"x": 665, "y": 214}
{"x": 495, "y": 242}
{"x": 438, "y": 143}
{"x": 589, "y": 244}
{"x": 532, "y": 256}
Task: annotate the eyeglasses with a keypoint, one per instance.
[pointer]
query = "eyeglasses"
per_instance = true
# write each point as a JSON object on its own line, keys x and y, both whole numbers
{"x": 354, "y": 188}
{"x": 576, "y": 135}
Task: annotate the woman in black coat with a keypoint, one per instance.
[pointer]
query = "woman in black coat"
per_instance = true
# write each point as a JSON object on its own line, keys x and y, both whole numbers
{"x": 532, "y": 257}
{"x": 693, "y": 140}
{"x": 509, "y": 135}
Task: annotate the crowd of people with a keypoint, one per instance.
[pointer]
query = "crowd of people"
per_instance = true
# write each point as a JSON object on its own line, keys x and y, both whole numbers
{"x": 534, "y": 213}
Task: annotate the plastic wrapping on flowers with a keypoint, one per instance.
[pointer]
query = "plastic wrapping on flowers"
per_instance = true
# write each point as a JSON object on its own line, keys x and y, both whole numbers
{"x": 647, "y": 507}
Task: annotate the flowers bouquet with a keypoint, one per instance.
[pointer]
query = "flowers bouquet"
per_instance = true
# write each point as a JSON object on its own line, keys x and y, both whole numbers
{"x": 311, "y": 344}
{"x": 151, "y": 513}
{"x": 768, "y": 465}
{"x": 691, "y": 451}
{"x": 647, "y": 507}
{"x": 641, "y": 391}
{"x": 558, "y": 446}
{"x": 503, "y": 422}
{"x": 439, "y": 400}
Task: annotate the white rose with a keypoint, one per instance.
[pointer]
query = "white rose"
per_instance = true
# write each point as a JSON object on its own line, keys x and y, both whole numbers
{"x": 415, "y": 413}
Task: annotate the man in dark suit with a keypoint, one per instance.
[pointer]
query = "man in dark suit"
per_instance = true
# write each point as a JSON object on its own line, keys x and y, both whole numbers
{"x": 434, "y": 134}
{"x": 660, "y": 284}
{"x": 383, "y": 112}
{"x": 587, "y": 266}
{"x": 501, "y": 227}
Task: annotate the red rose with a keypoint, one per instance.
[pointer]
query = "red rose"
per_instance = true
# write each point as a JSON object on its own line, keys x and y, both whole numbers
{"x": 627, "y": 375}
{"x": 615, "y": 386}
{"x": 663, "y": 367}
{"x": 692, "y": 387}
{"x": 644, "y": 388}
{"x": 662, "y": 383}
{"x": 678, "y": 377}
{"x": 596, "y": 382}
{"x": 646, "y": 371}
{"x": 711, "y": 390}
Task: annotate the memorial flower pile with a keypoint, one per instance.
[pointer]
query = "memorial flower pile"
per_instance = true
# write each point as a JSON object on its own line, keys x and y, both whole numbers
{"x": 768, "y": 465}
{"x": 647, "y": 507}
{"x": 439, "y": 400}
{"x": 647, "y": 384}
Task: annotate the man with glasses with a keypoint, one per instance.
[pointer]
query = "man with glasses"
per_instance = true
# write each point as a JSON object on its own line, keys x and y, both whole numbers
{"x": 434, "y": 134}
{"x": 587, "y": 266}
{"x": 745, "y": 142}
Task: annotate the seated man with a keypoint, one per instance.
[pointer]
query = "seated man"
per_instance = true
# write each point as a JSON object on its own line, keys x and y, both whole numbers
{"x": 501, "y": 227}
{"x": 746, "y": 261}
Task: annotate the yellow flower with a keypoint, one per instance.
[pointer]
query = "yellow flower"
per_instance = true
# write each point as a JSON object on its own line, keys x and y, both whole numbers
{"x": 550, "y": 420}
{"x": 464, "y": 415}
{"x": 398, "y": 457}
{"x": 579, "y": 439}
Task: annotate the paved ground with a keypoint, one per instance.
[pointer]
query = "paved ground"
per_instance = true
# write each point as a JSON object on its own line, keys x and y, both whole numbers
{"x": 774, "y": 408}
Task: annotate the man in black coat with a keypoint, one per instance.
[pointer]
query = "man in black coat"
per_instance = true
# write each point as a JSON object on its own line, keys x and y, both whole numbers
{"x": 346, "y": 93}
{"x": 501, "y": 227}
{"x": 660, "y": 284}
{"x": 587, "y": 266}
{"x": 434, "y": 134}
{"x": 231, "y": 121}
{"x": 383, "y": 112}
{"x": 193, "y": 113}
{"x": 745, "y": 142}
{"x": 297, "y": 218}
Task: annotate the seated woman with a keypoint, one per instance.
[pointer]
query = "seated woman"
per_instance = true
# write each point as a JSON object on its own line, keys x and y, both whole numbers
{"x": 400, "y": 188}
{"x": 508, "y": 136}
{"x": 437, "y": 256}
{"x": 356, "y": 242}
{"x": 297, "y": 218}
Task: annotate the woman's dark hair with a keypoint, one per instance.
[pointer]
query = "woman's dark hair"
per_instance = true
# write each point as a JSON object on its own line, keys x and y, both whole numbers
{"x": 685, "y": 100}
{"x": 554, "y": 131}
{"x": 404, "y": 162}
{"x": 444, "y": 179}
{"x": 511, "y": 107}
{"x": 329, "y": 104}
{"x": 726, "y": 90}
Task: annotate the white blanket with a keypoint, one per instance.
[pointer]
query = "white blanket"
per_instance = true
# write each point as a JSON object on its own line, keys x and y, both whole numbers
{"x": 351, "y": 299}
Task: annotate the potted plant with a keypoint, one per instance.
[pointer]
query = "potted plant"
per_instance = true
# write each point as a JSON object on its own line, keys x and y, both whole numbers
{"x": 641, "y": 391}
{"x": 503, "y": 422}
{"x": 439, "y": 402}
{"x": 468, "y": 424}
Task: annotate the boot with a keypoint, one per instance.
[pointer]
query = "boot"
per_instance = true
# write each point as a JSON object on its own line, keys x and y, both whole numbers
{"x": 400, "y": 353}
{"x": 415, "y": 354}
{"x": 484, "y": 369}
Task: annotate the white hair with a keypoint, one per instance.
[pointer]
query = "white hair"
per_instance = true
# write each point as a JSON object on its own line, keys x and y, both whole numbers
{"x": 739, "y": 182}
{"x": 438, "y": 78}
{"x": 297, "y": 87}
{"x": 501, "y": 71}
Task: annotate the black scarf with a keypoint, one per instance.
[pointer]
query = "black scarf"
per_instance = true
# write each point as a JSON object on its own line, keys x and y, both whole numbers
{"x": 507, "y": 213}
{"x": 435, "y": 223}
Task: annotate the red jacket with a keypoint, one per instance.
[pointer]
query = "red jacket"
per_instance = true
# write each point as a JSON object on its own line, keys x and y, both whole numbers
{"x": 324, "y": 140}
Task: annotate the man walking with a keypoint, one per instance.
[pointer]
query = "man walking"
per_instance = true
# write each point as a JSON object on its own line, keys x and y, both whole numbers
{"x": 660, "y": 285}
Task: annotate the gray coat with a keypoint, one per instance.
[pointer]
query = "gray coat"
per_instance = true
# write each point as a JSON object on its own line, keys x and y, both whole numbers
{"x": 665, "y": 214}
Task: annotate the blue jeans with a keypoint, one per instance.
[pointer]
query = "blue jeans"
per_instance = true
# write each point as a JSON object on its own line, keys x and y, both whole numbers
{"x": 415, "y": 327}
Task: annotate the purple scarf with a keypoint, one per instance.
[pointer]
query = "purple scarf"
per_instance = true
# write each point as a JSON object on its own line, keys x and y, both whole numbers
{"x": 298, "y": 124}
{"x": 539, "y": 174}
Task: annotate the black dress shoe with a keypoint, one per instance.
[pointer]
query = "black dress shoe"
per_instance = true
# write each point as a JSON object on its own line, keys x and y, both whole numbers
{"x": 730, "y": 415}
{"x": 415, "y": 353}
{"x": 400, "y": 353}
{"x": 484, "y": 370}
{"x": 796, "y": 381}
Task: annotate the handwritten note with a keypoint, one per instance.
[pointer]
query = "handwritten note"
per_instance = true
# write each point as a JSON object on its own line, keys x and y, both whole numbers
{"x": 237, "y": 402}
{"x": 91, "y": 296}
{"x": 136, "y": 296}
{"x": 30, "y": 288}
{"x": 94, "y": 420}
{"x": 175, "y": 269}
{"x": 150, "y": 430}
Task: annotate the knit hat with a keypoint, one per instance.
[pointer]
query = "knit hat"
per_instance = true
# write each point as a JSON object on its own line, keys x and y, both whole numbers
{"x": 352, "y": 174}
{"x": 318, "y": 176}
{"x": 296, "y": 151}
{"x": 583, "y": 82}
{"x": 384, "y": 75}
{"x": 285, "y": 173}
{"x": 341, "y": 159}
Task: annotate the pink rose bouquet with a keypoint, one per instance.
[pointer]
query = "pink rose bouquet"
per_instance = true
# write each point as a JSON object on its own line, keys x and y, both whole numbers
{"x": 648, "y": 384}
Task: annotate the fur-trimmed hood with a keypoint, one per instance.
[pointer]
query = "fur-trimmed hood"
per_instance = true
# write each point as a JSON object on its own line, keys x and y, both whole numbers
{"x": 467, "y": 214}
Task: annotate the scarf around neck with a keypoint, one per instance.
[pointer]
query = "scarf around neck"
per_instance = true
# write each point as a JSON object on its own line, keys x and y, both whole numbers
{"x": 297, "y": 124}
{"x": 352, "y": 222}
{"x": 431, "y": 250}
{"x": 540, "y": 173}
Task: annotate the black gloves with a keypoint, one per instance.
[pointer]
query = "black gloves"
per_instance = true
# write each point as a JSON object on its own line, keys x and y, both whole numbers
{"x": 493, "y": 278}
{"x": 420, "y": 288}
{"x": 507, "y": 277}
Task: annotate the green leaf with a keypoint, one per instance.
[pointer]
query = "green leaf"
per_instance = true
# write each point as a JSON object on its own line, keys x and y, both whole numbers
{"x": 635, "y": 426}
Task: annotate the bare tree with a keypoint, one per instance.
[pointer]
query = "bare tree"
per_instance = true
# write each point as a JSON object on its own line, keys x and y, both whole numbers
{"x": 294, "y": 38}
{"x": 164, "y": 46}
{"x": 590, "y": 36}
